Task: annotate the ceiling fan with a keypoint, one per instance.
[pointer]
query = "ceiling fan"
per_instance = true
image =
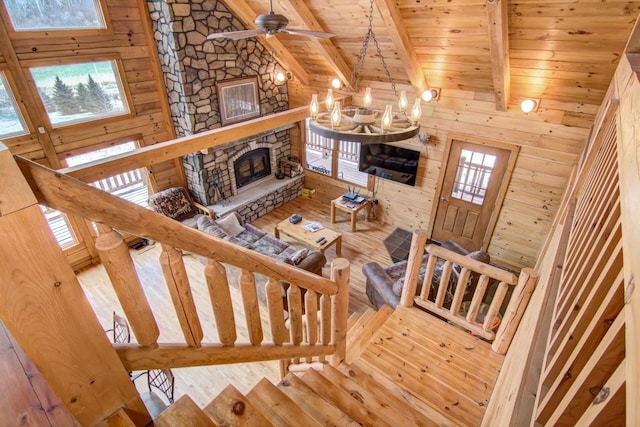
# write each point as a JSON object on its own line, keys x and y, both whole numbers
{"x": 269, "y": 24}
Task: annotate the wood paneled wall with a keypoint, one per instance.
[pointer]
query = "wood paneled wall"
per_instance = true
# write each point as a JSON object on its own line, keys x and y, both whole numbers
{"x": 551, "y": 140}
{"x": 128, "y": 40}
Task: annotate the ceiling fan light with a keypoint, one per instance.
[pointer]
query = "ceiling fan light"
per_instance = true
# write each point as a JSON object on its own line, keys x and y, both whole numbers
{"x": 528, "y": 105}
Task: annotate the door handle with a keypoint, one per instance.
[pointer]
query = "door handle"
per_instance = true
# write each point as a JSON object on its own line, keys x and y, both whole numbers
{"x": 443, "y": 199}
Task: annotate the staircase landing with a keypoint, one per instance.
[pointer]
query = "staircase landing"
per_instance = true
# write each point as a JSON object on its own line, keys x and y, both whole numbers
{"x": 409, "y": 369}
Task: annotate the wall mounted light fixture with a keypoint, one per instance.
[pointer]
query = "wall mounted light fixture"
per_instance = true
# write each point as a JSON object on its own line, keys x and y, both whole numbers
{"x": 528, "y": 105}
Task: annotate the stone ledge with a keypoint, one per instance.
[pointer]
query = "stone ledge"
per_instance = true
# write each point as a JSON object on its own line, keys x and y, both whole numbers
{"x": 261, "y": 197}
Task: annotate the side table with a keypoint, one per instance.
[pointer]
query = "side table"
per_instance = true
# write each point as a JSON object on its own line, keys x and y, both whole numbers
{"x": 351, "y": 208}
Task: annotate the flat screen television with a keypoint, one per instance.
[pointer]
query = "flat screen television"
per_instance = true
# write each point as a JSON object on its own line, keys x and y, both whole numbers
{"x": 389, "y": 162}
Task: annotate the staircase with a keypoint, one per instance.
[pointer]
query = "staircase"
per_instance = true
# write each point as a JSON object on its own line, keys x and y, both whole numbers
{"x": 410, "y": 386}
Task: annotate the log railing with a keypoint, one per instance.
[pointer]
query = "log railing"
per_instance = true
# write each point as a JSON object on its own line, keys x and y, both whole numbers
{"x": 524, "y": 285}
{"x": 293, "y": 336}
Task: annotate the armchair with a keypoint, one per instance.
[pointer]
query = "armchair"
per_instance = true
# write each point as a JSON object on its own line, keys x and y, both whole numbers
{"x": 176, "y": 203}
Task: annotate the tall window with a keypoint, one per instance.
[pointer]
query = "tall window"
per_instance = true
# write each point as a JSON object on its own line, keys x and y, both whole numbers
{"x": 337, "y": 159}
{"x": 11, "y": 121}
{"x": 131, "y": 186}
{"x": 75, "y": 93}
{"x": 34, "y": 15}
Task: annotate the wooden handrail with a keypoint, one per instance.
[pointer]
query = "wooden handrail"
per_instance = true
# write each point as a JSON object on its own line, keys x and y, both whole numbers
{"x": 70, "y": 195}
{"x": 524, "y": 285}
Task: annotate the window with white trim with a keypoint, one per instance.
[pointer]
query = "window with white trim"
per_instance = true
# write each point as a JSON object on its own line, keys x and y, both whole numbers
{"x": 40, "y": 15}
{"x": 11, "y": 120}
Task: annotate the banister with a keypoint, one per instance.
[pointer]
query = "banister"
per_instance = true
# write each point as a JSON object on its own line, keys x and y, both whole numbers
{"x": 71, "y": 195}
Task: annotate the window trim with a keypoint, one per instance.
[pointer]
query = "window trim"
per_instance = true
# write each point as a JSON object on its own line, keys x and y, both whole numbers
{"x": 53, "y": 32}
{"x": 11, "y": 85}
{"x": 83, "y": 59}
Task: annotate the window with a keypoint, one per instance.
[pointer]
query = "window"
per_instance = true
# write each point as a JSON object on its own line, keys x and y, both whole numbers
{"x": 320, "y": 153}
{"x": 472, "y": 176}
{"x": 75, "y": 93}
{"x": 131, "y": 186}
{"x": 33, "y": 15}
{"x": 60, "y": 227}
{"x": 11, "y": 121}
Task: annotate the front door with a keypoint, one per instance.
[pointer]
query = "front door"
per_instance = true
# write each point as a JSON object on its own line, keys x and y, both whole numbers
{"x": 472, "y": 188}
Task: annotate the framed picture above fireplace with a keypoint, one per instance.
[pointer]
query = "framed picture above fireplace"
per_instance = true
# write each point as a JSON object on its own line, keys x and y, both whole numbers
{"x": 238, "y": 99}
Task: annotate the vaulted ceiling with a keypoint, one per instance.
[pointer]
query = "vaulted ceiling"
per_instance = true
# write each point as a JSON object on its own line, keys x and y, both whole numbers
{"x": 564, "y": 51}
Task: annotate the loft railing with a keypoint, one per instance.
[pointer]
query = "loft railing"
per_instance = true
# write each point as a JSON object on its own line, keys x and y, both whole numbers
{"x": 453, "y": 312}
{"x": 325, "y": 299}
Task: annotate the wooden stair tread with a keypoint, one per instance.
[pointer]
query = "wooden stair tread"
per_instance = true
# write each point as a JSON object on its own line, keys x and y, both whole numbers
{"x": 353, "y": 318}
{"x": 278, "y": 407}
{"x": 339, "y": 397}
{"x": 389, "y": 407}
{"x": 232, "y": 408}
{"x": 360, "y": 334}
{"x": 322, "y": 410}
{"x": 183, "y": 412}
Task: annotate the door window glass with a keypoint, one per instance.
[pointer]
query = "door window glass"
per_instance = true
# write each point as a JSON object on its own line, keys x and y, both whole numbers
{"x": 472, "y": 176}
{"x": 11, "y": 121}
{"x": 33, "y": 15}
{"x": 76, "y": 93}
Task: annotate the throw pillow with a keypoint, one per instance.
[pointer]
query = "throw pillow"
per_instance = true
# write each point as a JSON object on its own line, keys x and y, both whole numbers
{"x": 209, "y": 226}
{"x": 299, "y": 255}
{"x": 230, "y": 224}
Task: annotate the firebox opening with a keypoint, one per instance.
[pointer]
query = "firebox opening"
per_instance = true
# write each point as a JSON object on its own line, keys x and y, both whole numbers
{"x": 252, "y": 166}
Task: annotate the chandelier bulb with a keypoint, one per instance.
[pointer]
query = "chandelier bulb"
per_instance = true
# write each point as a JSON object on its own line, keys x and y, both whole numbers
{"x": 387, "y": 118}
{"x": 368, "y": 99}
{"x": 416, "y": 112}
{"x": 403, "y": 103}
{"x": 314, "y": 107}
{"x": 329, "y": 99}
{"x": 336, "y": 114}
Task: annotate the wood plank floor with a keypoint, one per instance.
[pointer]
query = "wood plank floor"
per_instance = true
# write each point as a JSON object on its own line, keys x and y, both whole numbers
{"x": 204, "y": 383}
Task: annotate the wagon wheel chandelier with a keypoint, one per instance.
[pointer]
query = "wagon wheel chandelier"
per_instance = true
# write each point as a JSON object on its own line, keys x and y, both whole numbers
{"x": 364, "y": 123}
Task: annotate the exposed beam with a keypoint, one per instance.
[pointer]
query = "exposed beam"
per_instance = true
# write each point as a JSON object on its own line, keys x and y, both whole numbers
{"x": 395, "y": 27}
{"x": 497, "y": 17}
{"x": 242, "y": 11}
{"x": 327, "y": 49}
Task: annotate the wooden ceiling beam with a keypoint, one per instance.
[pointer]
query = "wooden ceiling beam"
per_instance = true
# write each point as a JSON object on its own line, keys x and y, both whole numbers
{"x": 498, "y": 24}
{"x": 326, "y": 47}
{"x": 243, "y": 11}
{"x": 393, "y": 22}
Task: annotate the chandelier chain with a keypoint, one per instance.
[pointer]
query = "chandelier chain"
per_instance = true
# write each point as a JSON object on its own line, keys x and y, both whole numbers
{"x": 356, "y": 73}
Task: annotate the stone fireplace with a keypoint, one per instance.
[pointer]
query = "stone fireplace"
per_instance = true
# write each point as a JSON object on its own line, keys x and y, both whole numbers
{"x": 192, "y": 67}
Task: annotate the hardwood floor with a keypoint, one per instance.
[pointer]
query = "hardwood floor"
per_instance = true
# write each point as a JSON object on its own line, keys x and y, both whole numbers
{"x": 203, "y": 383}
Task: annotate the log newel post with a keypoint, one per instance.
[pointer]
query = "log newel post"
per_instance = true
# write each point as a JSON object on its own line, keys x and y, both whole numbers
{"x": 116, "y": 259}
{"x": 515, "y": 310}
{"x": 416, "y": 253}
{"x": 340, "y": 275}
{"x": 175, "y": 275}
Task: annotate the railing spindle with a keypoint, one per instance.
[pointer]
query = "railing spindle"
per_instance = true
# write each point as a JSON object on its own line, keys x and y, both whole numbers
{"x": 273, "y": 291}
{"x": 175, "y": 275}
{"x": 114, "y": 255}
{"x": 461, "y": 286}
{"x": 478, "y": 296}
{"x": 496, "y": 302}
{"x": 340, "y": 274}
{"x": 251, "y": 306}
{"x": 444, "y": 282}
{"x": 428, "y": 277}
{"x": 416, "y": 252}
{"x": 325, "y": 321}
{"x": 218, "y": 284}
{"x": 311, "y": 311}
{"x": 295, "y": 316}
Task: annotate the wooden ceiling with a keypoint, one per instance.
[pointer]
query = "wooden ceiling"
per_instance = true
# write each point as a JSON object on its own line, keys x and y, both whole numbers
{"x": 564, "y": 51}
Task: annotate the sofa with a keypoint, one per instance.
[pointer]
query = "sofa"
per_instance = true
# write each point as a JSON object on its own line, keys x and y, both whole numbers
{"x": 232, "y": 229}
{"x": 384, "y": 284}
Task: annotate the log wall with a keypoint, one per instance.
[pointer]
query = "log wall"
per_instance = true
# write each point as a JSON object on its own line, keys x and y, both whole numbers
{"x": 551, "y": 140}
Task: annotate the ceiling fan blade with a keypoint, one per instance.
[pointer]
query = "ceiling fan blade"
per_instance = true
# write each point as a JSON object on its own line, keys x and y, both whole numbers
{"x": 237, "y": 35}
{"x": 318, "y": 34}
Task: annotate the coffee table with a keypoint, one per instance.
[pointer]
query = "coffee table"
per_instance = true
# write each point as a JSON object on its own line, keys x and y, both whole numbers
{"x": 296, "y": 231}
